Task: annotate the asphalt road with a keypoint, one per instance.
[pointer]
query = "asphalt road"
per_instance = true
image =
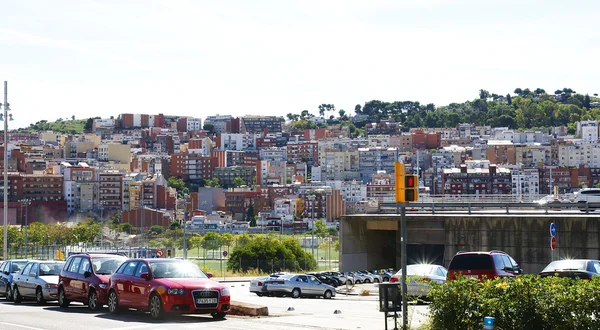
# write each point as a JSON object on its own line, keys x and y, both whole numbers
{"x": 309, "y": 313}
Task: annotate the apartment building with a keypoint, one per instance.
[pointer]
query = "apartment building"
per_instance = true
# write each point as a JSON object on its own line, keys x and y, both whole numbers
{"x": 110, "y": 190}
{"x": 260, "y": 124}
{"x": 574, "y": 155}
{"x": 372, "y": 160}
{"x": 525, "y": 181}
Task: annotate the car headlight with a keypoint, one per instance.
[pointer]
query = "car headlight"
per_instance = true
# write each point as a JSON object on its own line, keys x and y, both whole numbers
{"x": 179, "y": 292}
{"x": 102, "y": 286}
{"x": 225, "y": 291}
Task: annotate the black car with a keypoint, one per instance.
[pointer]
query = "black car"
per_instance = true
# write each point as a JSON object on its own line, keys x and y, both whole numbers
{"x": 573, "y": 268}
{"x": 329, "y": 280}
{"x": 7, "y": 269}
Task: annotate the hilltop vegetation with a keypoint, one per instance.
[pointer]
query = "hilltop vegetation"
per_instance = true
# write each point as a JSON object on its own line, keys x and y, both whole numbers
{"x": 63, "y": 126}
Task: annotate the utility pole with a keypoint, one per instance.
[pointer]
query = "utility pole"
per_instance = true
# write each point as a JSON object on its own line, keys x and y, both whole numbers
{"x": 5, "y": 209}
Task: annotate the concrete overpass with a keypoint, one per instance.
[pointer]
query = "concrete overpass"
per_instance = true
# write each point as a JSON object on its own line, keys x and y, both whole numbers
{"x": 372, "y": 241}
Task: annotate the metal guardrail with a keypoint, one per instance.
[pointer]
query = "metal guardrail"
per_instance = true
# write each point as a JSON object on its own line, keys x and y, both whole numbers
{"x": 486, "y": 207}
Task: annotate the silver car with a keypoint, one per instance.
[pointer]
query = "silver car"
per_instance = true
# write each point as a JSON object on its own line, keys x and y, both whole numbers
{"x": 38, "y": 280}
{"x": 298, "y": 285}
{"x": 420, "y": 276}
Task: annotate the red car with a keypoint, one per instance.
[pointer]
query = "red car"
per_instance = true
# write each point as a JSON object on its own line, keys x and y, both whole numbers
{"x": 166, "y": 286}
{"x": 483, "y": 265}
{"x": 85, "y": 277}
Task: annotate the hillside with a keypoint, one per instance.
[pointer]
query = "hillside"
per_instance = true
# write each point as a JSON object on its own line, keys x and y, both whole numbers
{"x": 61, "y": 125}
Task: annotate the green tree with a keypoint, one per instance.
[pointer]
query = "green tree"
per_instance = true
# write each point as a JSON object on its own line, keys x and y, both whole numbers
{"x": 179, "y": 185}
{"x": 250, "y": 213}
{"x": 213, "y": 182}
{"x": 209, "y": 128}
{"x": 174, "y": 225}
{"x": 126, "y": 228}
{"x": 227, "y": 239}
{"x": 238, "y": 182}
{"x": 156, "y": 230}
{"x": 286, "y": 252}
{"x": 211, "y": 241}
{"x": 73, "y": 117}
{"x": 320, "y": 228}
{"x": 483, "y": 94}
{"x": 36, "y": 232}
{"x": 586, "y": 102}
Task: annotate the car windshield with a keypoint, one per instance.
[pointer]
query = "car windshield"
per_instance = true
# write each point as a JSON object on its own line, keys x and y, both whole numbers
{"x": 471, "y": 261}
{"x": 106, "y": 265}
{"x": 175, "y": 269}
{"x": 566, "y": 265}
{"x": 50, "y": 268}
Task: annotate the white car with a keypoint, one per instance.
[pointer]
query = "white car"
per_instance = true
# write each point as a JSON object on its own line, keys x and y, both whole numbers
{"x": 419, "y": 278}
{"x": 256, "y": 285}
{"x": 587, "y": 195}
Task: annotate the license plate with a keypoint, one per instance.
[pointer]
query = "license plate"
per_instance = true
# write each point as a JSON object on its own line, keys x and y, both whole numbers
{"x": 471, "y": 276}
{"x": 206, "y": 300}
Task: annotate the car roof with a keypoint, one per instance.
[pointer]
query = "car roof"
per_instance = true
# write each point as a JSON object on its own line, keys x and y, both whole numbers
{"x": 481, "y": 252}
{"x": 98, "y": 255}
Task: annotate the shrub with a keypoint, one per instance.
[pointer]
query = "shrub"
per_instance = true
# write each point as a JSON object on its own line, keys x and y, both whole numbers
{"x": 526, "y": 302}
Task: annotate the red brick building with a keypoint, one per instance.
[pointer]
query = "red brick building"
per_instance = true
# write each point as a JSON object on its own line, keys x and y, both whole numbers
{"x": 423, "y": 141}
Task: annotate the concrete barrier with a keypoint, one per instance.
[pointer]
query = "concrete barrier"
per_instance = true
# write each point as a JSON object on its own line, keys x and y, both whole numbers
{"x": 241, "y": 308}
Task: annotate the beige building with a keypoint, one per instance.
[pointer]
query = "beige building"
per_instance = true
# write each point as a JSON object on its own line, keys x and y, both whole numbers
{"x": 402, "y": 142}
{"x": 88, "y": 195}
{"x": 120, "y": 153}
{"x": 534, "y": 154}
{"x": 134, "y": 191}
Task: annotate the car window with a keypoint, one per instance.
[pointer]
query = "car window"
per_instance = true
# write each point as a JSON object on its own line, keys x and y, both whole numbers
{"x": 85, "y": 266}
{"x": 498, "y": 261}
{"x": 2, "y": 265}
{"x": 34, "y": 269}
{"x": 17, "y": 266}
{"x": 130, "y": 269}
{"x": 75, "y": 265}
{"x": 106, "y": 265}
{"x": 508, "y": 263}
{"x": 143, "y": 268}
{"x": 515, "y": 265}
{"x": 26, "y": 270}
{"x": 68, "y": 264}
{"x": 121, "y": 268}
{"x": 597, "y": 267}
{"x": 313, "y": 280}
{"x": 471, "y": 261}
{"x": 50, "y": 268}
{"x": 302, "y": 278}
{"x": 440, "y": 272}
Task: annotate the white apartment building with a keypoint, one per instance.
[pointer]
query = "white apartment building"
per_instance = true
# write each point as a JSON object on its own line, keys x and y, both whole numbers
{"x": 273, "y": 154}
{"x": 382, "y": 141}
{"x": 588, "y": 130}
{"x": 219, "y": 122}
{"x": 351, "y": 191}
{"x": 572, "y": 155}
{"x": 194, "y": 124}
{"x": 533, "y": 154}
{"x": 528, "y": 179}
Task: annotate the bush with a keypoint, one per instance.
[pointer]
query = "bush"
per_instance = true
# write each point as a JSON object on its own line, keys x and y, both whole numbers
{"x": 526, "y": 302}
{"x": 268, "y": 254}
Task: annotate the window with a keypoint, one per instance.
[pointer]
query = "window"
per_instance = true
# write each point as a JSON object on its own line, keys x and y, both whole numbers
{"x": 130, "y": 268}
{"x": 26, "y": 270}
{"x": 313, "y": 280}
{"x": 75, "y": 265}
{"x": 34, "y": 269}
{"x": 85, "y": 266}
{"x": 302, "y": 278}
{"x": 142, "y": 269}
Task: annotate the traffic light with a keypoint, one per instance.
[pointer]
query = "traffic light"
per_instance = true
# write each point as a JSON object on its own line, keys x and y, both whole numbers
{"x": 399, "y": 176}
{"x": 411, "y": 188}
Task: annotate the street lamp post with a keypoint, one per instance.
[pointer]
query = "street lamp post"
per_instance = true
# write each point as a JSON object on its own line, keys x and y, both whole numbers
{"x": 25, "y": 203}
{"x": 5, "y": 209}
{"x": 101, "y": 207}
{"x": 311, "y": 198}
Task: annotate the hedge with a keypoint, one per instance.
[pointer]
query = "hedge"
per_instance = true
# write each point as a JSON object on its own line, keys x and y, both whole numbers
{"x": 526, "y": 302}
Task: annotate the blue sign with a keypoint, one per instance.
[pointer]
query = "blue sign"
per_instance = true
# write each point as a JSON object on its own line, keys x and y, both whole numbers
{"x": 488, "y": 323}
{"x": 552, "y": 229}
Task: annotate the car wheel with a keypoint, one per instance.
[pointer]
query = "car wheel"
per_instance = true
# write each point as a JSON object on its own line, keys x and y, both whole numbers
{"x": 113, "y": 302}
{"x": 39, "y": 296}
{"x": 259, "y": 294}
{"x": 296, "y": 293}
{"x": 156, "y": 307}
{"x": 9, "y": 294}
{"x": 17, "y": 298}
{"x": 386, "y": 279}
{"x": 348, "y": 282}
{"x": 93, "y": 304}
{"x": 62, "y": 299}
{"x": 327, "y": 294}
{"x": 367, "y": 281}
{"x": 218, "y": 315}
{"x": 376, "y": 280}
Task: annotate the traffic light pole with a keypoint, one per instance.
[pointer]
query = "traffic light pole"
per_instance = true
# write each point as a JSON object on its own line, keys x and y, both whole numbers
{"x": 402, "y": 207}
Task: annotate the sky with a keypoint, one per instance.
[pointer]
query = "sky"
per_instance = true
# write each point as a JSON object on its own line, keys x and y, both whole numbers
{"x": 198, "y": 58}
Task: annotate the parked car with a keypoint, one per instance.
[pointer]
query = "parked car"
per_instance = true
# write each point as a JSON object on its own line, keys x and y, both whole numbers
{"x": 38, "y": 280}
{"x": 340, "y": 276}
{"x": 573, "y": 268}
{"x": 376, "y": 278}
{"x": 353, "y": 278}
{"x": 256, "y": 285}
{"x": 298, "y": 285}
{"x": 419, "y": 278}
{"x": 85, "y": 278}
{"x": 587, "y": 195}
{"x": 385, "y": 274}
{"x": 362, "y": 278}
{"x": 327, "y": 279}
{"x": 483, "y": 265}
{"x": 166, "y": 286}
{"x": 7, "y": 269}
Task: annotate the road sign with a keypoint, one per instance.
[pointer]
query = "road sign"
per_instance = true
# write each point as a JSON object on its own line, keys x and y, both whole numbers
{"x": 553, "y": 243}
{"x": 159, "y": 253}
{"x": 552, "y": 229}
{"x": 224, "y": 253}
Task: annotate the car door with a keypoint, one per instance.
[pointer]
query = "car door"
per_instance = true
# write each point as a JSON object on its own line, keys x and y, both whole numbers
{"x": 19, "y": 279}
{"x": 126, "y": 281}
{"x": 302, "y": 283}
{"x": 140, "y": 287}
{"x": 30, "y": 280}
{"x": 315, "y": 286}
{"x": 84, "y": 285}
{"x": 73, "y": 280}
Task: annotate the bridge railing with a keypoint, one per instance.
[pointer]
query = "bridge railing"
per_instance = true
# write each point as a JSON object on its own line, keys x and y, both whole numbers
{"x": 462, "y": 207}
